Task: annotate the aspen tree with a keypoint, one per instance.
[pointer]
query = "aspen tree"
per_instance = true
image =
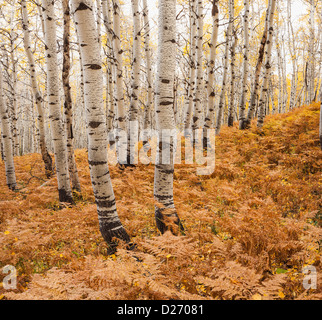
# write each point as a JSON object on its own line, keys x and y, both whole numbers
{"x": 36, "y": 93}
{"x": 198, "y": 111}
{"x": 231, "y": 108}
{"x": 209, "y": 120}
{"x": 119, "y": 94}
{"x": 165, "y": 212}
{"x": 192, "y": 77}
{"x": 133, "y": 127}
{"x": 255, "y": 88}
{"x": 242, "y": 104}
{"x": 109, "y": 222}
{"x": 292, "y": 50}
{"x": 7, "y": 140}
{"x": 269, "y": 45}
{"x": 68, "y": 111}
{"x": 225, "y": 75}
{"x": 110, "y": 108}
{"x": 13, "y": 36}
{"x": 56, "y": 125}
{"x": 148, "y": 105}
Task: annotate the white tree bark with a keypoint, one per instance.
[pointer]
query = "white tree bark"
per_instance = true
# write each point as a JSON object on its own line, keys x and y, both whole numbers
{"x": 198, "y": 111}
{"x": 224, "y": 81}
{"x": 149, "y": 99}
{"x": 210, "y": 118}
{"x": 269, "y": 45}
{"x": 56, "y": 124}
{"x": 165, "y": 212}
{"x": 109, "y": 222}
{"x": 133, "y": 128}
{"x": 242, "y": 104}
{"x": 68, "y": 106}
{"x": 119, "y": 94}
{"x": 192, "y": 83}
{"x": 256, "y": 84}
{"x": 7, "y": 140}
{"x": 36, "y": 93}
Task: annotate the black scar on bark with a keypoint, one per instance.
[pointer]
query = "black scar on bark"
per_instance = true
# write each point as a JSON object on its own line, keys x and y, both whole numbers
{"x": 64, "y": 196}
{"x": 159, "y": 220}
{"x": 113, "y": 237}
{"x": 82, "y": 6}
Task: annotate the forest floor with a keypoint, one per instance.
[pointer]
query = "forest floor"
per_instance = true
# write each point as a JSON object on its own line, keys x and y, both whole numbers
{"x": 251, "y": 226}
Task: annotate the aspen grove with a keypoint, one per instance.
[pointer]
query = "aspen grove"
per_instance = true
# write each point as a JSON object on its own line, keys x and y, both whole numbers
{"x": 175, "y": 145}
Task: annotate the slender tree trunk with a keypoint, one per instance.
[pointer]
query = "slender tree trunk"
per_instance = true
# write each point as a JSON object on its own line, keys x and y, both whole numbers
{"x": 254, "y": 94}
{"x": 231, "y": 107}
{"x": 242, "y": 104}
{"x": 119, "y": 94}
{"x": 198, "y": 112}
{"x": 36, "y": 93}
{"x": 68, "y": 101}
{"x": 133, "y": 127}
{"x": 165, "y": 212}
{"x": 193, "y": 32}
{"x": 7, "y": 140}
{"x": 224, "y": 81}
{"x": 210, "y": 118}
{"x": 110, "y": 108}
{"x": 109, "y": 222}
{"x": 269, "y": 45}
{"x": 56, "y": 125}
{"x": 13, "y": 36}
{"x": 148, "y": 106}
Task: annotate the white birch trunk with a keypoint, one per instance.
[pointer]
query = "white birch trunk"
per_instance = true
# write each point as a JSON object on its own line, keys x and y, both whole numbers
{"x": 193, "y": 32}
{"x": 269, "y": 45}
{"x": 147, "y": 49}
{"x": 242, "y": 104}
{"x": 198, "y": 112}
{"x": 109, "y": 222}
{"x": 36, "y": 93}
{"x": 133, "y": 127}
{"x": 224, "y": 81}
{"x": 210, "y": 118}
{"x": 165, "y": 212}
{"x": 56, "y": 124}
{"x": 68, "y": 111}
{"x": 7, "y": 140}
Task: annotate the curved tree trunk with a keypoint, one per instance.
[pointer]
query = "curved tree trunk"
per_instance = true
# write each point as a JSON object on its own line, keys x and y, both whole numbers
{"x": 165, "y": 212}
{"x": 56, "y": 125}
{"x": 109, "y": 222}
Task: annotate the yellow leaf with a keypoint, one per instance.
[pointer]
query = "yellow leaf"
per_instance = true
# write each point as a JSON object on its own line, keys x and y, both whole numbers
{"x": 257, "y": 296}
{"x": 6, "y": 232}
{"x": 168, "y": 256}
{"x": 281, "y": 294}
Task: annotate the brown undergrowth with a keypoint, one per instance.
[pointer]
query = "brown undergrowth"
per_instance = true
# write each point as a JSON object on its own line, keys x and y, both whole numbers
{"x": 251, "y": 226}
